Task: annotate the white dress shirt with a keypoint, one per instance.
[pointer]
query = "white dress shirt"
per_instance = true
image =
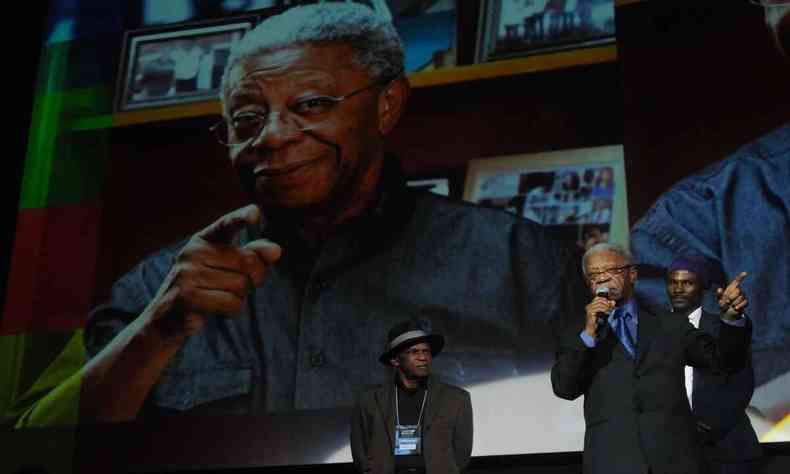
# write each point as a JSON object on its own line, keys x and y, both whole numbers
{"x": 694, "y": 318}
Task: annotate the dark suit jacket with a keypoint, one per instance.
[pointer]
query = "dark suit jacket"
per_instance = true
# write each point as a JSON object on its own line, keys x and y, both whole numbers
{"x": 636, "y": 412}
{"x": 719, "y": 404}
{"x": 447, "y": 429}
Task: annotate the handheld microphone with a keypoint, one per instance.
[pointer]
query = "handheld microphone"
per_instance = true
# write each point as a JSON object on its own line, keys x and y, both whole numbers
{"x": 602, "y": 291}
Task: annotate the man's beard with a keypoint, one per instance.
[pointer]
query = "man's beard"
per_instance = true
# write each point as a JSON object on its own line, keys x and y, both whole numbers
{"x": 412, "y": 375}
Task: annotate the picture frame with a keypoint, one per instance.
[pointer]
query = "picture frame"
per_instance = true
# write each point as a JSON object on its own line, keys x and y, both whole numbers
{"x": 516, "y": 28}
{"x": 429, "y": 31}
{"x": 580, "y": 192}
{"x": 176, "y": 64}
{"x": 146, "y": 13}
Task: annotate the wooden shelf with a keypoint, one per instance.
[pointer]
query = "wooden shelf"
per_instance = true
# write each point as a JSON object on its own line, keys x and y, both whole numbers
{"x": 511, "y": 67}
{"x": 438, "y": 77}
{"x": 156, "y": 114}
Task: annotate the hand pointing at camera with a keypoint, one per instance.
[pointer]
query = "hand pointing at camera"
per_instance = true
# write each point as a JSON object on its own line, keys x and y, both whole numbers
{"x": 212, "y": 274}
{"x": 731, "y": 299}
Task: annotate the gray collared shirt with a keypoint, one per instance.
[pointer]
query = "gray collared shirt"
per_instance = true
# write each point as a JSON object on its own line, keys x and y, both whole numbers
{"x": 309, "y": 337}
{"x": 736, "y": 214}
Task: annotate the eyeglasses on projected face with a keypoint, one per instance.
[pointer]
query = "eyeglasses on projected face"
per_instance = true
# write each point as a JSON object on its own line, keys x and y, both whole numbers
{"x": 308, "y": 113}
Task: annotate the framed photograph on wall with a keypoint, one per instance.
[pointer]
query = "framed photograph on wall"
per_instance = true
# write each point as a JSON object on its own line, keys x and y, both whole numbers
{"x": 581, "y": 191}
{"x": 176, "y": 64}
{"x": 513, "y": 28}
{"x": 428, "y": 30}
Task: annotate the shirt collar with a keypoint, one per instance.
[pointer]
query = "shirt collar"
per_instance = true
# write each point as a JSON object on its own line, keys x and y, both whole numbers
{"x": 388, "y": 217}
{"x": 628, "y": 307}
{"x": 395, "y": 200}
{"x": 695, "y": 316}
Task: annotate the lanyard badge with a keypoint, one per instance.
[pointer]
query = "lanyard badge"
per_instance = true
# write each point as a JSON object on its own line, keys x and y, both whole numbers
{"x": 408, "y": 438}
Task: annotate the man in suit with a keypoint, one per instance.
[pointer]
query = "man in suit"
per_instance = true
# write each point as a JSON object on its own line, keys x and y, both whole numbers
{"x": 718, "y": 402}
{"x": 415, "y": 423}
{"x": 628, "y": 363}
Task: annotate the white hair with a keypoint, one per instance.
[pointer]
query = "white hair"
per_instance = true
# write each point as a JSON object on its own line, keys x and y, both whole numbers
{"x": 606, "y": 247}
{"x": 376, "y": 44}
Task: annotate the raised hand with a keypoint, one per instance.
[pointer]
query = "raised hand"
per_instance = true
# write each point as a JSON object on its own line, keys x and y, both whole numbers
{"x": 213, "y": 275}
{"x": 731, "y": 299}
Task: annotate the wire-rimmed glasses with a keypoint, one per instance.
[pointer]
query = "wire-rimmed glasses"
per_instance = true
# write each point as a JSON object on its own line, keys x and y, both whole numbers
{"x": 247, "y": 126}
{"x": 608, "y": 273}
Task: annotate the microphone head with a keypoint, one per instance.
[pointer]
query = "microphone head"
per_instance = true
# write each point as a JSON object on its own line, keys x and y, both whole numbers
{"x": 602, "y": 291}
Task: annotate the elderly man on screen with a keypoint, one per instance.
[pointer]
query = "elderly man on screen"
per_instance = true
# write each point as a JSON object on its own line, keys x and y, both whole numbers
{"x": 265, "y": 308}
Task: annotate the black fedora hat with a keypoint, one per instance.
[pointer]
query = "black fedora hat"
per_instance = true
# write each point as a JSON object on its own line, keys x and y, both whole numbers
{"x": 407, "y": 334}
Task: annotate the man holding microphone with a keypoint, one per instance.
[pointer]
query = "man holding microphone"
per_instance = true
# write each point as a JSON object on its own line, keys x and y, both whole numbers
{"x": 628, "y": 362}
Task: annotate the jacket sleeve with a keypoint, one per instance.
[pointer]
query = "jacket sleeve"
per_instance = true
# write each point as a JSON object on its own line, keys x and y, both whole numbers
{"x": 572, "y": 371}
{"x": 359, "y": 438}
{"x": 728, "y": 354}
{"x": 463, "y": 434}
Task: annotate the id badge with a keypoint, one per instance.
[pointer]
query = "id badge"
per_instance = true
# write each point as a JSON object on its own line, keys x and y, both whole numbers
{"x": 407, "y": 440}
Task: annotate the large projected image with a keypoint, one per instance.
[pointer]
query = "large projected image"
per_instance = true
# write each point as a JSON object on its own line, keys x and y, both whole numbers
{"x": 285, "y": 305}
{"x": 277, "y": 308}
{"x": 233, "y": 269}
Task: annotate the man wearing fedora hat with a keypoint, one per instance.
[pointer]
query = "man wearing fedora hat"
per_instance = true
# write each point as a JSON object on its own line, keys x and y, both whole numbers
{"x": 414, "y": 424}
{"x": 718, "y": 401}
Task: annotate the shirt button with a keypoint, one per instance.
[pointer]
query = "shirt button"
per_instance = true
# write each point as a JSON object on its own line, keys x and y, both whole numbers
{"x": 317, "y": 359}
{"x": 321, "y": 284}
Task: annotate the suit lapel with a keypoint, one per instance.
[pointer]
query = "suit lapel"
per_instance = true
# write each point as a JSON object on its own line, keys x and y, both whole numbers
{"x": 610, "y": 344}
{"x": 385, "y": 403}
{"x": 708, "y": 323}
{"x": 434, "y": 394}
{"x": 646, "y": 330}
